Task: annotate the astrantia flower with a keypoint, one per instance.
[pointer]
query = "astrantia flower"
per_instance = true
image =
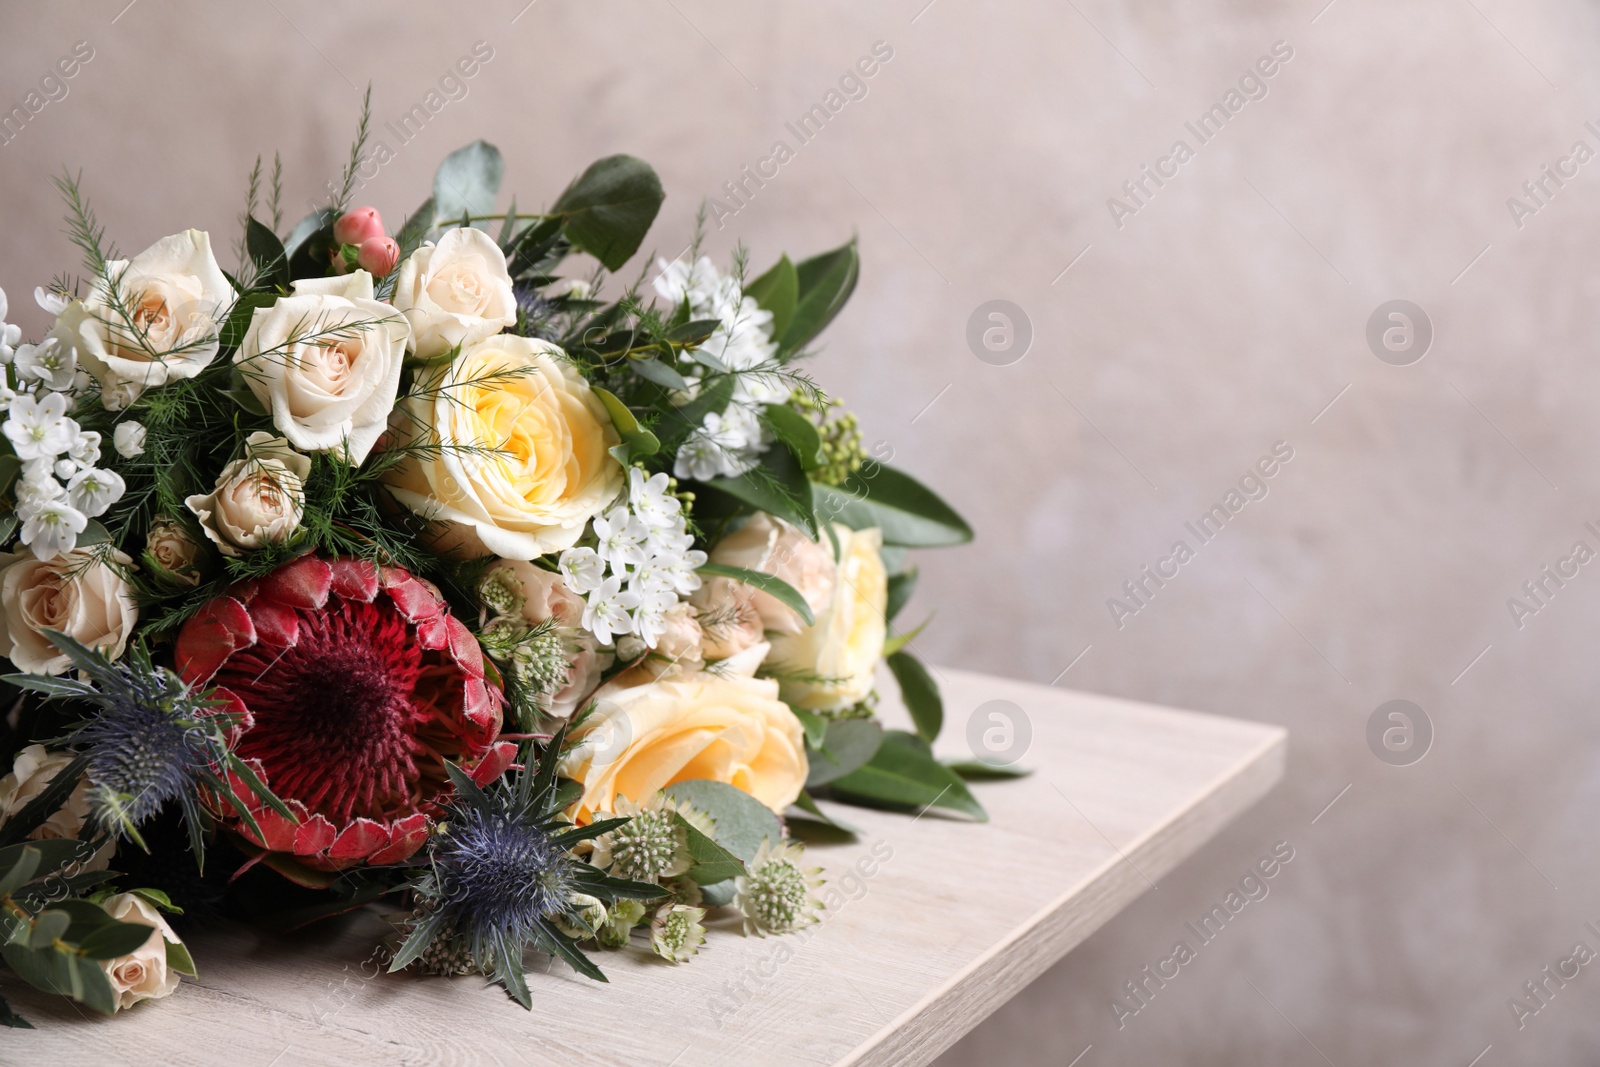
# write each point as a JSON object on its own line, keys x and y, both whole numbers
{"x": 676, "y": 932}
{"x": 776, "y": 894}
{"x": 652, "y": 846}
{"x": 357, "y": 685}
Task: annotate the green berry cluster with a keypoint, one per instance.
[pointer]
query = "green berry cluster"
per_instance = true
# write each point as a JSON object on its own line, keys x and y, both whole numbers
{"x": 842, "y": 451}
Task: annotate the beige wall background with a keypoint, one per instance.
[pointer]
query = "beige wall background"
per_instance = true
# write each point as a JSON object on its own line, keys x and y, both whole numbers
{"x": 1168, "y": 354}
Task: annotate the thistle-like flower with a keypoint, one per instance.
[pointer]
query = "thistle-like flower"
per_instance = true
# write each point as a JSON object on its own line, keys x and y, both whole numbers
{"x": 502, "y": 878}
{"x": 776, "y": 894}
{"x": 676, "y": 932}
{"x": 653, "y": 845}
{"x": 149, "y": 740}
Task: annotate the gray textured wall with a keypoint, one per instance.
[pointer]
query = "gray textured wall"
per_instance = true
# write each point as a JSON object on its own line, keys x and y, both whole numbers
{"x": 1221, "y": 317}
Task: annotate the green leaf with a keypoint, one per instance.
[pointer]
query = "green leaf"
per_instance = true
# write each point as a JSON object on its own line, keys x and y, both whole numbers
{"x": 178, "y": 958}
{"x": 114, "y": 939}
{"x": 8, "y": 526}
{"x": 685, "y": 419}
{"x": 798, "y": 433}
{"x": 894, "y": 644}
{"x": 979, "y": 771}
{"x": 244, "y": 310}
{"x": 920, "y": 693}
{"x": 719, "y": 895}
{"x": 779, "y": 589}
{"x": 415, "y": 229}
{"x": 712, "y": 862}
{"x": 825, "y": 282}
{"x": 653, "y": 370}
{"x": 266, "y": 252}
{"x": 94, "y": 533}
{"x": 908, "y": 512}
{"x": 636, "y": 439}
{"x": 694, "y": 332}
{"x": 902, "y": 775}
{"x": 467, "y": 182}
{"x": 901, "y": 586}
{"x": 742, "y": 822}
{"x": 422, "y": 936}
{"x": 847, "y": 745}
{"x": 158, "y": 899}
{"x": 778, "y": 291}
{"x": 10, "y": 467}
{"x": 813, "y": 724}
{"x": 777, "y": 486}
{"x": 46, "y": 928}
{"x": 20, "y": 871}
{"x": 608, "y": 209}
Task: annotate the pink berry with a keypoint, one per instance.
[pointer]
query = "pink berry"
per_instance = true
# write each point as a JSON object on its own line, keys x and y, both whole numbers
{"x": 357, "y": 225}
{"x": 378, "y": 256}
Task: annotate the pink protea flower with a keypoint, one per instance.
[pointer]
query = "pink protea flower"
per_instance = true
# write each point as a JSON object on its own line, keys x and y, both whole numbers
{"x": 355, "y": 684}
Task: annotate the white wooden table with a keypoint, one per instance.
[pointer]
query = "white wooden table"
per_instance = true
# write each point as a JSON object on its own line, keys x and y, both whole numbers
{"x": 945, "y": 920}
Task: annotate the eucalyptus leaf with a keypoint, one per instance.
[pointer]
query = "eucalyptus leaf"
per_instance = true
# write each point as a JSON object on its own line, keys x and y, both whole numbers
{"x": 847, "y": 744}
{"x": 980, "y": 770}
{"x": 903, "y": 776}
{"x": 825, "y": 282}
{"x": 114, "y": 939}
{"x": 467, "y": 182}
{"x": 798, "y": 433}
{"x": 908, "y": 512}
{"x": 741, "y": 821}
{"x": 654, "y": 370}
{"x": 639, "y": 441}
{"x": 901, "y": 586}
{"x": 777, "y": 486}
{"x": 711, "y": 862}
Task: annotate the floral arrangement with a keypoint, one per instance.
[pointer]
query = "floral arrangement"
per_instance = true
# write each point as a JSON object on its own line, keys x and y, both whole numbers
{"x": 409, "y": 569}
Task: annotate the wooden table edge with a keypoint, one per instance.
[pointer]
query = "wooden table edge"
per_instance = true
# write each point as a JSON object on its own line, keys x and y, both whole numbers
{"x": 945, "y": 1014}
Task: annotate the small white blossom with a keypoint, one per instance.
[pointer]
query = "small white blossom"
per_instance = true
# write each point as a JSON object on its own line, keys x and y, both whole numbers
{"x": 49, "y": 362}
{"x": 7, "y": 394}
{"x": 92, "y": 490}
{"x": 64, "y": 469}
{"x": 39, "y": 428}
{"x": 583, "y": 569}
{"x": 85, "y": 448}
{"x": 53, "y": 302}
{"x": 52, "y": 529}
{"x": 622, "y": 537}
{"x": 605, "y": 613}
{"x": 128, "y": 439}
{"x": 650, "y": 500}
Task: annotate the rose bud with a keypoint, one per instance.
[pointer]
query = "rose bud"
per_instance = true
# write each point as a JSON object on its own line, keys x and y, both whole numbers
{"x": 378, "y": 256}
{"x": 357, "y": 225}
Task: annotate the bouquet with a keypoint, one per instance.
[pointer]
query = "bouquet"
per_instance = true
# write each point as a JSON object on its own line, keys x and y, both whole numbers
{"x": 437, "y": 569}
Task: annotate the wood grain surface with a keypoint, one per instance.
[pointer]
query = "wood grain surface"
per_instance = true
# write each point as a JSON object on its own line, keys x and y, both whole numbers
{"x": 937, "y": 921}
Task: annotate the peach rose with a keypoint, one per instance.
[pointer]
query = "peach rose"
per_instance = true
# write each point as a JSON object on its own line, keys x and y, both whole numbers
{"x": 258, "y": 501}
{"x": 728, "y": 729}
{"x": 729, "y": 620}
{"x": 148, "y": 972}
{"x": 31, "y": 772}
{"x": 518, "y": 456}
{"x": 82, "y": 594}
{"x": 774, "y": 547}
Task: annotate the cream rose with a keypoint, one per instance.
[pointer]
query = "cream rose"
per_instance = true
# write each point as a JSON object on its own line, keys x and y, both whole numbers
{"x": 520, "y": 590}
{"x": 677, "y": 653}
{"x": 31, "y": 772}
{"x": 259, "y": 500}
{"x": 326, "y": 363}
{"x": 148, "y": 972}
{"x": 729, "y": 620}
{"x": 176, "y": 297}
{"x": 515, "y": 457}
{"x": 174, "y": 551}
{"x": 455, "y": 292}
{"x": 830, "y": 664}
{"x": 82, "y": 594}
{"x": 728, "y": 729}
{"x": 774, "y": 547}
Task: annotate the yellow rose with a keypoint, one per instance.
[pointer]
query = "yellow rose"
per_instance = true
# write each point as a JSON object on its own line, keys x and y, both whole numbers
{"x": 728, "y": 729}
{"x": 831, "y": 663}
{"x": 511, "y": 451}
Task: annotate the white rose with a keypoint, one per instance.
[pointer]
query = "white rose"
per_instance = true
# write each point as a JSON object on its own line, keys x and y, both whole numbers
{"x": 830, "y": 664}
{"x": 176, "y": 297}
{"x": 170, "y": 545}
{"x": 259, "y": 500}
{"x": 128, "y": 439}
{"x": 145, "y": 973}
{"x": 677, "y": 653}
{"x": 775, "y": 547}
{"x": 455, "y": 292}
{"x": 553, "y": 470}
{"x": 82, "y": 594}
{"x": 326, "y": 364}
